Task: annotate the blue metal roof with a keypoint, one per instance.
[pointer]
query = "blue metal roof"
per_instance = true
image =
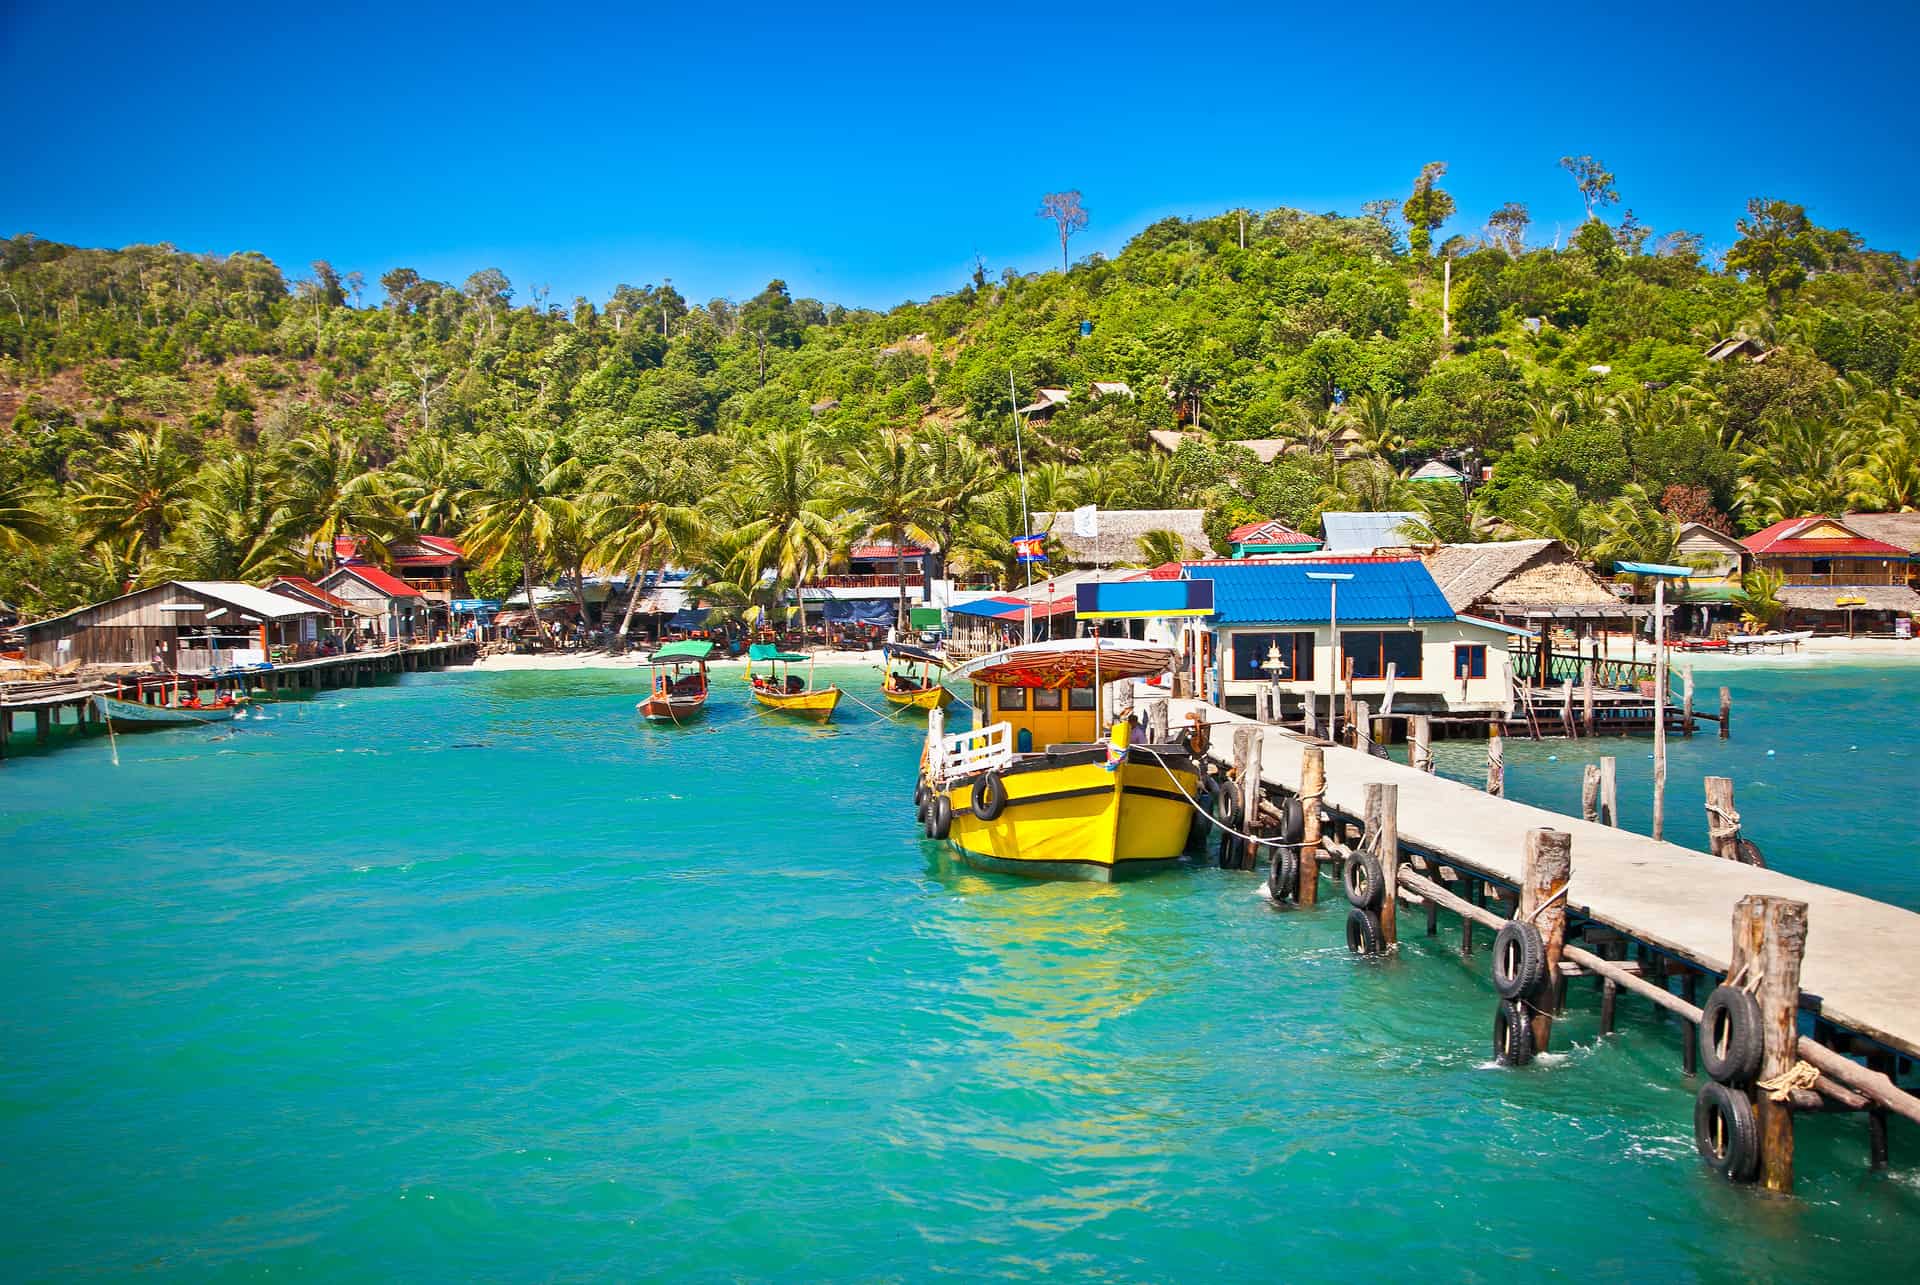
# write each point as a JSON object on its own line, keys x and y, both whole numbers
{"x": 1279, "y": 593}
{"x": 1365, "y": 532}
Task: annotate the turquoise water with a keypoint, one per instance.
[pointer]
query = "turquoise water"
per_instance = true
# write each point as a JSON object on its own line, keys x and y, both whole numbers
{"x": 476, "y": 975}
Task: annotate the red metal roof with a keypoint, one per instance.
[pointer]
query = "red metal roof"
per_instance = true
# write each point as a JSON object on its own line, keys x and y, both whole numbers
{"x": 1782, "y": 539}
{"x": 1271, "y": 531}
{"x": 310, "y": 590}
{"x": 882, "y": 549}
{"x": 386, "y": 582}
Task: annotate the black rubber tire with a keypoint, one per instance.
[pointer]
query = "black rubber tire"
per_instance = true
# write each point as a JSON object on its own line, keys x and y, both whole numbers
{"x": 1731, "y": 1041}
{"x": 1226, "y": 803}
{"x": 1293, "y": 820}
{"x": 1750, "y": 853}
{"x": 989, "y": 796}
{"x": 1364, "y": 934}
{"x": 1512, "y": 1034}
{"x": 1363, "y": 880}
{"x": 1726, "y": 1131}
{"x": 920, "y": 792}
{"x": 1519, "y": 960}
{"x": 1230, "y": 849}
{"x": 1283, "y": 876}
{"x": 939, "y": 816}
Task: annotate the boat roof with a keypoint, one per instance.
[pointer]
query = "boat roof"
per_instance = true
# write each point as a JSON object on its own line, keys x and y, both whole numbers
{"x": 686, "y": 649}
{"x": 1067, "y": 662}
{"x": 905, "y": 652}
{"x": 771, "y": 651}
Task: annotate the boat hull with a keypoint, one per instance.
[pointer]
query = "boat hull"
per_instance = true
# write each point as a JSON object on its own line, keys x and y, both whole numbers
{"x": 817, "y": 706}
{"x": 925, "y": 698}
{"x": 133, "y": 714}
{"x": 1067, "y": 817}
{"x": 675, "y": 710}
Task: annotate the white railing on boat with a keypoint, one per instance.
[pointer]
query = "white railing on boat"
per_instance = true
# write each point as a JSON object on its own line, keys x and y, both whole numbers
{"x": 964, "y": 753}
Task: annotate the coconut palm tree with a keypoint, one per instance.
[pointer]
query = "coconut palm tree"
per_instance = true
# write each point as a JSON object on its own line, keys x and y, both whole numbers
{"x": 1160, "y": 547}
{"x": 986, "y": 542}
{"x": 235, "y": 527}
{"x": 24, "y": 518}
{"x": 1556, "y": 512}
{"x": 643, "y": 511}
{"x": 1372, "y": 415}
{"x": 331, "y": 495}
{"x": 1759, "y": 598}
{"x": 790, "y": 528}
{"x": 136, "y": 493}
{"x": 523, "y": 504}
{"x": 885, "y": 486}
{"x": 957, "y": 474}
{"x": 1635, "y": 530}
{"x": 429, "y": 481}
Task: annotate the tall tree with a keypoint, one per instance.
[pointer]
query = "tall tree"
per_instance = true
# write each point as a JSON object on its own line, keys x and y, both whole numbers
{"x": 331, "y": 495}
{"x": 1507, "y": 227}
{"x": 885, "y": 486}
{"x": 791, "y": 530}
{"x": 1594, "y": 180}
{"x": 523, "y": 505}
{"x": 1068, "y": 214}
{"x": 24, "y": 518}
{"x": 1427, "y": 208}
{"x": 644, "y": 510}
{"x": 1779, "y": 245}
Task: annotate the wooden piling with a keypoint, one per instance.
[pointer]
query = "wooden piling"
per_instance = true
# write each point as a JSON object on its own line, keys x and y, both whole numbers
{"x": 1420, "y": 736}
{"x": 1723, "y": 823}
{"x": 1309, "y": 721}
{"x": 1686, "y": 701}
{"x": 1609, "y": 790}
{"x": 1361, "y": 719}
{"x": 1593, "y": 663}
{"x": 1346, "y": 665}
{"x": 1547, "y": 866}
{"x": 42, "y": 724}
{"x": 1157, "y": 731}
{"x": 1247, "y": 743}
{"x": 1383, "y": 832}
{"x": 1313, "y": 784}
{"x": 1726, "y": 711}
{"x": 1769, "y": 938}
{"x": 1496, "y": 763}
{"x": 1590, "y": 792}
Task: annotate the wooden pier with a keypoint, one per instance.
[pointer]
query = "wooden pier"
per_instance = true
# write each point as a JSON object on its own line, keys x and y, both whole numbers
{"x": 1438, "y": 844}
{"x": 69, "y": 702}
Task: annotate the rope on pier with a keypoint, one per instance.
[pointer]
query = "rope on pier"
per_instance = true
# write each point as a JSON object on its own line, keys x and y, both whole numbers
{"x": 1801, "y": 1075}
{"x": 1211, "y": 819}
{"x": 1722, "y": 823}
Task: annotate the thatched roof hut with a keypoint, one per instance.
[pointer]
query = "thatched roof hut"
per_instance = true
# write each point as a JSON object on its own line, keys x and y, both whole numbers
{"x": 1118, "y": 543}
{"x": 1901, "y": 529}
{"x": 1516, "y": 577}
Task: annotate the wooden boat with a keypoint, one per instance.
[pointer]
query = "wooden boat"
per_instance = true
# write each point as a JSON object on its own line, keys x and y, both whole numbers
{"x": 923, "y": 689}
{"x": 132, "y": 714}
{"x": 679, "y": 681}
{"x": 783, "y": 691}
{"x": 1047, "y": 788}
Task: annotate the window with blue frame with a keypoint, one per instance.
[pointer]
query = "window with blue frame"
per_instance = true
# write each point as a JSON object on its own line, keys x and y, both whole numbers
{"x": 1372, "y": 650}
{"x": 1469, "y": 660}
{"x": 1250, "y": 653}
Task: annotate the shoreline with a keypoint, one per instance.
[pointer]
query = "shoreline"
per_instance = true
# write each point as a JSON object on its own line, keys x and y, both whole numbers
{"x": 638, "y": 660}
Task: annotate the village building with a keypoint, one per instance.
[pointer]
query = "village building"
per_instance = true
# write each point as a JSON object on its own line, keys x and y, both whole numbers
{"x": 343, "y": 617}
{"x": 1899, "y": 529}
{"x": 1347, "y": 443}
{"x": 867, "y": 593}
{"x": 1714, "y": 555}
{"x": 1265, "y": 539}
{"x": 1110, "y": 388}
{"x": 1369, "y": 532}
{"x": 1046, "y": 402}
{"x": 389, "y": 608}
{"x": 1837, "y": 578}
{"x": 1740, "y": 346}
{"x": 1400, "y": 632}
{"x": 436, "y": 568}
{"x": 192, "y": 626}
{"x": 1438, "y": 471}
{"x": 1115, "y": 541}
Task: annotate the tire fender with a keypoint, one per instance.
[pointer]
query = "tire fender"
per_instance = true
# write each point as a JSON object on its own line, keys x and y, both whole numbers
{"x": 989, "y": 796}
{"x": 1519, "y": 960}
{"x": 1364, "y": 881}
{"x": 1731, "y": 1041}
{"x": 1512, "y": 1034}
{"x": 1726, "y": 1131}
{"x": 939, "y": 816}
{"x": 1364, "y": 935}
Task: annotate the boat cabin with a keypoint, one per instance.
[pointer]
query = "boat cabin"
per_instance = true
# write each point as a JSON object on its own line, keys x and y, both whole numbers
{"x": 1050, "y": 693}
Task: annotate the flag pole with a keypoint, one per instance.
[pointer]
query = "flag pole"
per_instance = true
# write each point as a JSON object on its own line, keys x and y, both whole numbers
{"x": 1020, "y": 457}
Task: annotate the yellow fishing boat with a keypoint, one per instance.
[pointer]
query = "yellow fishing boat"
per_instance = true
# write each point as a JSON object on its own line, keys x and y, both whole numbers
{"x": 914, "y": 678}
{"x": 1043, "y": 786}
{"x": 783, "y": 691}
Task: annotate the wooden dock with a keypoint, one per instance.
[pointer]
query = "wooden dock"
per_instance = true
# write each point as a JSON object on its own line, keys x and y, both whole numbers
{"x": 1861, "y": 971}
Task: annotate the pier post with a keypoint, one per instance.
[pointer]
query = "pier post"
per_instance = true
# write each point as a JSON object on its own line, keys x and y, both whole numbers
{"x": 1309, "y": 722}
{"x": 1609, "y": 790}
{"x": 1570, "y": 728}
{"x": 1686, "y": 701}
{"x": 1723, "y": 823}
{"x": 1346, "y": 664}
{"x": 1590, "y": 792}
{"x": 1420, "y": 733}
{"x": 1247, "y": 745}
{"x": 1313, "y": 784}
{"x": 42, "y": 724}
{"x": 1726, "y": 711}
{"x": 1593, "y": 663}
{"x": 1383, "y": 830}
{"x": 1496, "y": 762}
{"x": 1157, "y": 722}
{"x": 1548, "y": 865}
{"x": 1362, "y": 720}
{"x": 1769, "y": 938}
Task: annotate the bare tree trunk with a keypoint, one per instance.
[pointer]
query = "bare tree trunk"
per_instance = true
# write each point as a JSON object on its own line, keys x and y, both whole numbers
{"x": 526, "y": 582}
{"x": 633, "y": 595}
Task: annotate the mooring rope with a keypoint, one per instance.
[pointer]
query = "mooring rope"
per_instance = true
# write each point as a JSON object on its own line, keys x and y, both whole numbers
{"x": 1211, "y": 819}
{"x": 1722, "y": 823}
{"x": 1801, "y": 1075}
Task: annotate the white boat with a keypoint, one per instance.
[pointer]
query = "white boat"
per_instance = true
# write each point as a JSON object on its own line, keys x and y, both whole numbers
{"x": 132, "y": 713}
{"x": 1749, "y": 642}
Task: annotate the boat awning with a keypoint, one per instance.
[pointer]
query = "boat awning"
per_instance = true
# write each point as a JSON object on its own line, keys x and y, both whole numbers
{"x": 905, "y": 652}
{"x": 768, "y": 651}
{"x": 1069, "y": 662}
{"x": 690, "y": 649}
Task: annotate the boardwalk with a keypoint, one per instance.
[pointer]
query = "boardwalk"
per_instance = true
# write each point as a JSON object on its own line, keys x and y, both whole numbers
{"x": 1862, "y": 966}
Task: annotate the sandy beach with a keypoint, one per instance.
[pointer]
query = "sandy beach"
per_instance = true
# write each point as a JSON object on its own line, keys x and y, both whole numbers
{"x": 638, "y": 660}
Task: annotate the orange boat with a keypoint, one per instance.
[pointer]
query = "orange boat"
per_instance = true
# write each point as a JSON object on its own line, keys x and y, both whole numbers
{"x": 679, "y": 682}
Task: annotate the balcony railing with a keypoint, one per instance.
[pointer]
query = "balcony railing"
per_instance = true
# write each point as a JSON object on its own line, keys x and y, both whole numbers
{"x": 911, "y": 580}
{"x": 1843, "y": 579}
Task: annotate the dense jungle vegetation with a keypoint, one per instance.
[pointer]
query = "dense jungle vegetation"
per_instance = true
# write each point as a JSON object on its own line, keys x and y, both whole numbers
{"x": 170, "y": 414}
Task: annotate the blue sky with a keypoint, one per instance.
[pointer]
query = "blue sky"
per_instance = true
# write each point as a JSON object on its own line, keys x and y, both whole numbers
{"x": 866, "y": 155}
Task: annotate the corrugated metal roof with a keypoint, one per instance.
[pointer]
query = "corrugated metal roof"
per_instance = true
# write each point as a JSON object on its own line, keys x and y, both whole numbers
{"x": 253, "y": 601}
{"x": 1280, "y": 592}
{"x": 1364, "y": 532}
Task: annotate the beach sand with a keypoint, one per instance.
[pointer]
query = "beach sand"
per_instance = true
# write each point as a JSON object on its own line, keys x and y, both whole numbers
{"x": 638, "y": 660}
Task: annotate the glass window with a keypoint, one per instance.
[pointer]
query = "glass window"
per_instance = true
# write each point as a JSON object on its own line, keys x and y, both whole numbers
{"x": 1250, "y": 653}
{"x": 1013, "y": 698}
{"x": 1080, "y": 698}
{"x": 1047, "y": 698}
{"x": 1372, "y": 650}
{"x": 1469, "y": 660}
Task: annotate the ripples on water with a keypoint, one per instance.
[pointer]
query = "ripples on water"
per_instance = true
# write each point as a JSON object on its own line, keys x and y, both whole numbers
{"x": 476, "y": 975}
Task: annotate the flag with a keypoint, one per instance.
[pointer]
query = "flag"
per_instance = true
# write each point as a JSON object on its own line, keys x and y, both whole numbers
{"x": 1030, "y": 548}
{"x": 1086, "y": 521}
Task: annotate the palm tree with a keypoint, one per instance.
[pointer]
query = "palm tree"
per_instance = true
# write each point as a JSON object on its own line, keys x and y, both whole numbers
{"x": 1759, "y": 598}
{"x": 1372, "y": 415}
{"x": 643, "y": 512}
{"x": 1635, "y": 530}
{"x": 1557, "y": 512}
{"x": 957, "y": 474}
{"x": 791, "y": 531}
{"x": 136, "y": 493}
{"x": 429, "y": 481}
{"x": 987, "y": 539}
{"x": 523, "y": 503}
{"x": 885, "y": 486}
{"x": 1160, "y": 547}
{"x": 24, "y": 519}
{"x": 235, "y": 528}
{"x": 331, "y": 495}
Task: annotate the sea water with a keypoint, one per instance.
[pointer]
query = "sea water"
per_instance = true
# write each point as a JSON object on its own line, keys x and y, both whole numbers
{"x": 476, "y": 975}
